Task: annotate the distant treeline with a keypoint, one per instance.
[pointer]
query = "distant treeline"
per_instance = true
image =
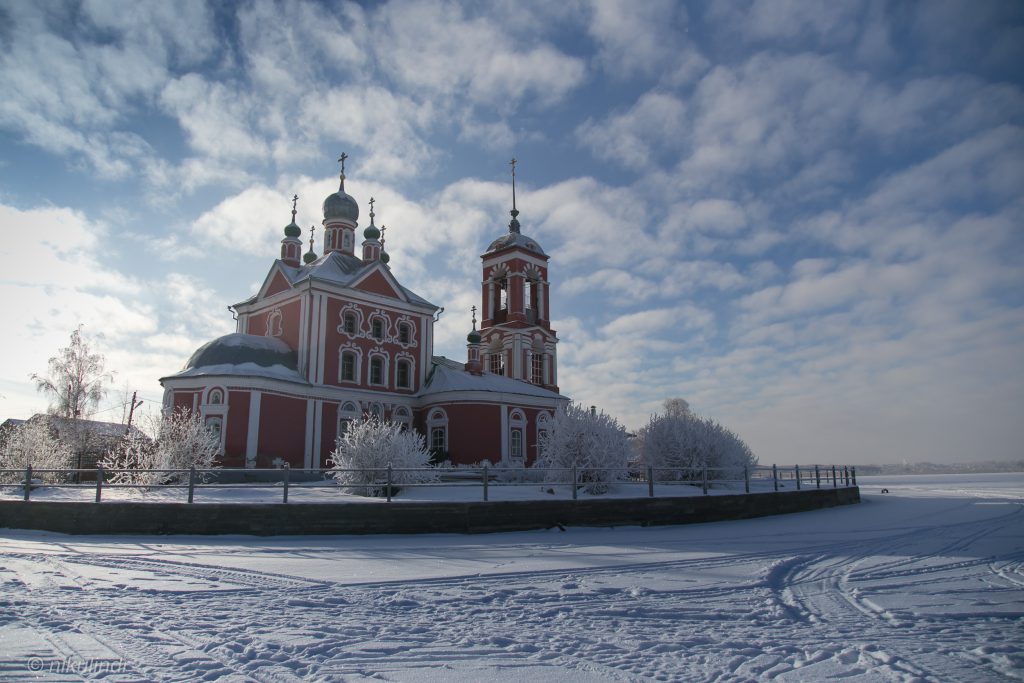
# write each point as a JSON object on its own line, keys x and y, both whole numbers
{"x": 988, "y": 466}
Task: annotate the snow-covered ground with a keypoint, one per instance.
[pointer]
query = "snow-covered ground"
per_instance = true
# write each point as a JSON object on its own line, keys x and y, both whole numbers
{"x": 923, "y": 583}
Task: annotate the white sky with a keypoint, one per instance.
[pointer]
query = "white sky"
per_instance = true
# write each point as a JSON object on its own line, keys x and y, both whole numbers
{"x": 804, "y": 218}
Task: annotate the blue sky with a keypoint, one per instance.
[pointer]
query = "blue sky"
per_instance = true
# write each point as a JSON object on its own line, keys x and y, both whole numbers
{"x": 803, "y": 217}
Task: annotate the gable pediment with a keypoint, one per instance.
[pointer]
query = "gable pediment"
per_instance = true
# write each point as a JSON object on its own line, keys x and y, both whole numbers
{"x": 378, "y": 281}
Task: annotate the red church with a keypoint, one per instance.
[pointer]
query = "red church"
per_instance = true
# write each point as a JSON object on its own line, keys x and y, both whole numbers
{"x": 329, "y": 339}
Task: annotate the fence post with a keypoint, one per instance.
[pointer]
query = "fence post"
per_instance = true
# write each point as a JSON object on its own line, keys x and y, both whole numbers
{"x": 853, "y": 474}
{"x": 28, "y": 481}
{"x": 287, "y": 476}
{"x": 834, "y": 484}
{"x": 191, "y": 482}
{"x": 817, "y": 476}
{"x": 99, "y": 482}
{"x": 846, "y": 474}
{"x": 796, "y": 468}
{"x": 704, "y": 479}
{"x": 746, "y": 479}
{"x": 574, "y": 482}
{"x": 389, "y": 482}
{"x": 485, "y": 482}
{"x": 650, "y": 481}
{"x": 775, "y": 477}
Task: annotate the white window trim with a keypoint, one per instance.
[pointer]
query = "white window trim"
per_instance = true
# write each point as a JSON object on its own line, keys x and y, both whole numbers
{"x": 357, "y": 374}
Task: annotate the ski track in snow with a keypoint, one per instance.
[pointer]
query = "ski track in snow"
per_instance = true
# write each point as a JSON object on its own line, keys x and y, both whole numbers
{"x": 918, "y": 585}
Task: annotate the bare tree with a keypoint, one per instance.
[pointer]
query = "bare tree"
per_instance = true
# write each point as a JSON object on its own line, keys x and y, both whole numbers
{"x": 76, "y": 380}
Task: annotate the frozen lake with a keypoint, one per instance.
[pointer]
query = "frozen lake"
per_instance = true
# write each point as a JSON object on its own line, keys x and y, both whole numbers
{"x": 924, "y": 583}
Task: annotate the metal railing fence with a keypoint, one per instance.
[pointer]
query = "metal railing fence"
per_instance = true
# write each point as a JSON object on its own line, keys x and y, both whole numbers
{"x": 386, "y": 481}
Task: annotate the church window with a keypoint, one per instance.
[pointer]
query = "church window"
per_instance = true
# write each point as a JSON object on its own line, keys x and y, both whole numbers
{"x": 376, "y": 370}
{"x": 348, "y": 366}
{"x": 216, "y": 397}
{"x": 348, "y": 240}
{"x": 347, "y": 415}
{"x": 516, "y": 444}
{"x": 403, "y": 333}
{"x": 378, "y": 329}
{"x": 538, "y": 368}
{"x": 401, "y": 416}
{"x": 403, "y": 379}
{"x": 376, "y": 410}
{"x": 503, "y": 294}
{"x": 350, "y": 323}
{"x": 437, "y": 424}
{"x": 497, "y": 360}
{"x": 437, "y": 439}
{"x": 215, "y": 426}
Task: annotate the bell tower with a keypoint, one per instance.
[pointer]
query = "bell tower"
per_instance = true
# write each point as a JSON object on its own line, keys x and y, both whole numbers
{"x": 515, "y": 331}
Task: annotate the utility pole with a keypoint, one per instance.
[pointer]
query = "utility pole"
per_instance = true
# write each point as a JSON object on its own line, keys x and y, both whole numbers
{"x": 131, "y": 412}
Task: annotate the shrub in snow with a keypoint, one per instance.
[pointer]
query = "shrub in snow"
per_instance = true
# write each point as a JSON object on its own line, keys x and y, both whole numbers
{"x": 679, "y": 444}
{"x": 592, "y": 442}
{"x": 32, "y": 443}
{"x": 182, "y": 442}
{"x": 368, "y": 447}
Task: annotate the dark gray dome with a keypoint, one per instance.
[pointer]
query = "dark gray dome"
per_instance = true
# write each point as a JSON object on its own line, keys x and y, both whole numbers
{"x": 515, "y": 239}
{"x": 341, "y": 205}
{"x": 236, "y": 349}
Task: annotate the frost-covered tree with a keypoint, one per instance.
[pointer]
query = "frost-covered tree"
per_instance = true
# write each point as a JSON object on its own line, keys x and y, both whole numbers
{"x": 76, "y": 380}
{"x": 368, "y": 447}
{"x": 680, "y": 444}
{"x": 592, "y": 442}
{"x": 33, "y": 443}
{"x": 182, "y": 442}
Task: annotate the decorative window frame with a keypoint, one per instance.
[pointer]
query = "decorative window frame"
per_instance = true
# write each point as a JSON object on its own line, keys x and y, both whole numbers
{"x": 384, "y": 371}
{"x": 437, "y": 418}
{"x": 355, "y": 310}
{"x": 374, "y": 409}
{"x": 274, "y": 325}
{"x": 410, "y": 324}
{"x": 516, "y": 426}
{"x": 543, "y": 425}
{"x": 215, "y": 411}
{"x": 358, "y": 352}
{"x": 385, "y": 326}
{"x": 404, "y": 357}
{"x": 402, "y": 416}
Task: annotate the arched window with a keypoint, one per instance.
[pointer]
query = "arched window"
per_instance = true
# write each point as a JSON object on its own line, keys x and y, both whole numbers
{"x": 543, "y": 425}
{"x": 497, "y": 362}
{"x": 350, "y": 323}
{"x": 537, "y": 367}
{"x": 216, "y": 397}
{"x": 348, "y": 366}
{"x": 349, "y": 363}
{"x": 517, "y": 425}
{"x": 378, "y": 328}
{"x": 404, "y": 335}
{"x": 215, "y": 425}
{"x": 377, "y": 370}
{"x": 401, "y": 416}
{"x": 348, "y": 413}
{"x": 437, "y": 426}
{"x": 403, "y": 375}
{"x": 376, "y": 410}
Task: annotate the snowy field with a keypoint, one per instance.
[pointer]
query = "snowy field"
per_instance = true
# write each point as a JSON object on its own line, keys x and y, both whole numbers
{"x": 925, "y": 583}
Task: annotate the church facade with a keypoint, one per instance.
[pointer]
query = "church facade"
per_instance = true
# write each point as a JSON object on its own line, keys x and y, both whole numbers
{"x": 331, "y": 339}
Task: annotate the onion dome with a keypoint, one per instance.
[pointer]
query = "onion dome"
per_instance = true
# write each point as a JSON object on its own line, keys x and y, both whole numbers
{"x": 385, "y": 257}
{"x": 474, "y": 337}
{"x": 371, "y": 232}
{"x": 341, "y": 205}
{"x": 236, "y": 349}
{"x": 310, "y": 255}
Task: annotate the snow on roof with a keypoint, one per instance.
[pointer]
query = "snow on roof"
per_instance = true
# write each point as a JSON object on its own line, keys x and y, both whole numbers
{"x": 450, "y": 375}
{"x": 243, "y": 369}
{"x": 342, "y": 269}
{"x": 237, "y": 349}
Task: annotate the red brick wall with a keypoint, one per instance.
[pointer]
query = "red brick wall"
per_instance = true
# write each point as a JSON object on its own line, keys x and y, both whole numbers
{"x": 237, "y": 429}
{"x": 282, "y": 430}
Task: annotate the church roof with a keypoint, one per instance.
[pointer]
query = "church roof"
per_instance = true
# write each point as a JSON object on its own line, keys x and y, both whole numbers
{"x": 341, "y": 269}
{"x": 515, "y": 239}
{"x": 450, "y": 375}
{"x": 243, "y": 354}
